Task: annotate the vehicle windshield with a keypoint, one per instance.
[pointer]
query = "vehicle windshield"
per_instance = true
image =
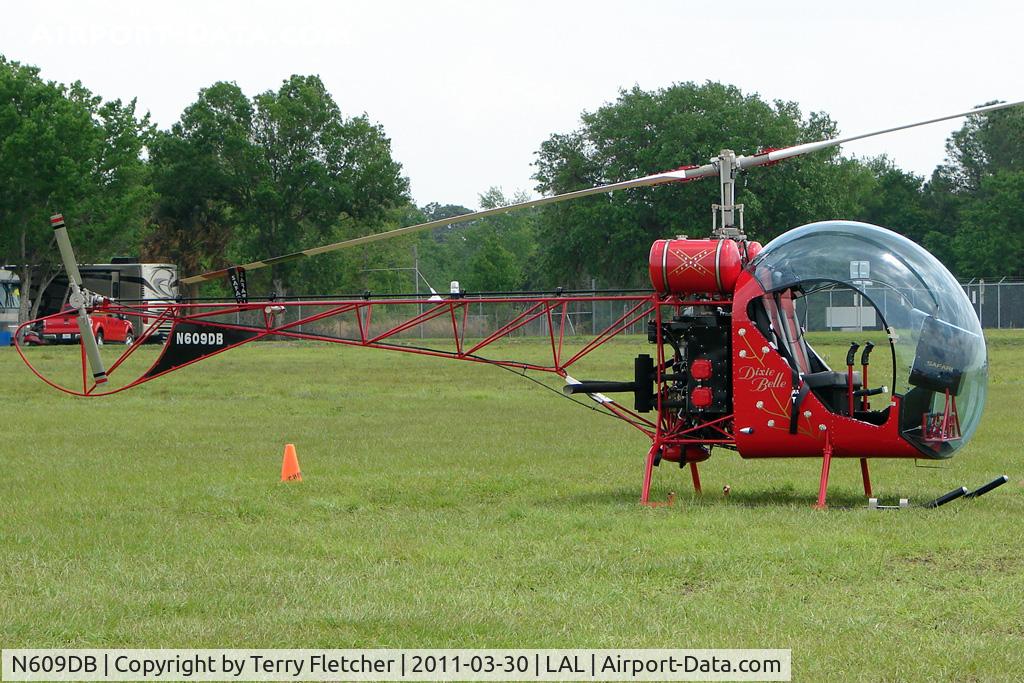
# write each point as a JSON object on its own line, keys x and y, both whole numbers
{"x": 940, "y": 356}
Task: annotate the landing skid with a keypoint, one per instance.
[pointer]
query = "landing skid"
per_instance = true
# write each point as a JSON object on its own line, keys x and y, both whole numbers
{"x": 821, "y": 504}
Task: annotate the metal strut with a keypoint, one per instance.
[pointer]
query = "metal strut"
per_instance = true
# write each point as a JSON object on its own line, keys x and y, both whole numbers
{"x": 826, "y": 462}
{"x": 865, "y": 476}
{"x": 724, "y": 215}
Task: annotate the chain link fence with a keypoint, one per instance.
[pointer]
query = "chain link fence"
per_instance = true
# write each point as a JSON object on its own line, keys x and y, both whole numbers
{"x": 481, "y": 319}
{"x": 999, "y": 304}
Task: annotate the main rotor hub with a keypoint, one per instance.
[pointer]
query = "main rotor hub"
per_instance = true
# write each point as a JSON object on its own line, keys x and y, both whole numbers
{"x": 724, "y": 223}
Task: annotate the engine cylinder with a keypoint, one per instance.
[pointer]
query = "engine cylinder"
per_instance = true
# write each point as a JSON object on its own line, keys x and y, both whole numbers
{"x": 684, "y": 266}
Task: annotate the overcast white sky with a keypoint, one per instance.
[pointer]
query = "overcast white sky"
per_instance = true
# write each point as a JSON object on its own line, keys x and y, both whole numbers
{"x": 467, "y": 91}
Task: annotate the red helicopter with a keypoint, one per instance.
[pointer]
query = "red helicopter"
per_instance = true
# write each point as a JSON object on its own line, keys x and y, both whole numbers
{"x": 731, "y": 367}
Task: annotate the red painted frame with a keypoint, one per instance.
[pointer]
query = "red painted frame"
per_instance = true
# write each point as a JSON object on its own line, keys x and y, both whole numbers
{"x": 825, "y": 434}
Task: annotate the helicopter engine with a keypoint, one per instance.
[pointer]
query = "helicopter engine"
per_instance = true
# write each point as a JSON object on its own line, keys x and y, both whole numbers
{"x": 696, "y": 379}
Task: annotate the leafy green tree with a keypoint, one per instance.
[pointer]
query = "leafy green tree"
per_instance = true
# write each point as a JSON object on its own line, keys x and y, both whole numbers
{"x": 643, "y": 132}
{"x": 202, "y": 170}
{"x": 504, "y": 247}
{"x": 435, "y": 212}
{"x": 489, "y": 254}
{"x": 64, "y": 149}
{"x": 984, "y": 148}
{"x": 990, "y": 239}
{"x": 245, "y": 179}
{"x": 382, "y": 267}
{"x": 985, "y": 145}
{"x": 894, "y": 199}
{"x": 492, "y": 267}
{"x": 314, "y": 168}
{"x": 443, "y": 253}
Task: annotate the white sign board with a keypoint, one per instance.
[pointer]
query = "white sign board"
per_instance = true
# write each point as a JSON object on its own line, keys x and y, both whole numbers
{"x": 850, "y": 316}
{"x": 860, "y": 270}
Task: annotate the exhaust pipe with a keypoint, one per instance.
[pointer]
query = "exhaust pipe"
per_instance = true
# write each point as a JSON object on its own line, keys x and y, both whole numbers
{"x": 587, "y": 387}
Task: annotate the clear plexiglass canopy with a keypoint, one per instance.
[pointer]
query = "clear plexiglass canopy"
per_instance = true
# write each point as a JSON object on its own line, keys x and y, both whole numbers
{"x": 937, "y": 341}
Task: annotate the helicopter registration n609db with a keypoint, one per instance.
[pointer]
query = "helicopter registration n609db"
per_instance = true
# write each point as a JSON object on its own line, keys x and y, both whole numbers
{"x": 730, "y": 366}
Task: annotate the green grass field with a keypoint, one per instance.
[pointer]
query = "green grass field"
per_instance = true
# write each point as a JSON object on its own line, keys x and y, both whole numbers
{"x": 455, "y": 505}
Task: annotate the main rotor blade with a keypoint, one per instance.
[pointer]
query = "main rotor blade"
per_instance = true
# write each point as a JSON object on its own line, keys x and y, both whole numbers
{"x": 677, "y": 175}
{"x": 808, "y": 147}
{"x": 77, "y": 299}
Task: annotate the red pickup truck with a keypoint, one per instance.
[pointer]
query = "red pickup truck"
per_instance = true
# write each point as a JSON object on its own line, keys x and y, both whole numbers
{"x": 105, "y": 327}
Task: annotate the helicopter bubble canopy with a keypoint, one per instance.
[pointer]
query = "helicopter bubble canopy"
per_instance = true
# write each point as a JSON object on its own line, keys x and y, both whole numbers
{"x": 941, "y": 365}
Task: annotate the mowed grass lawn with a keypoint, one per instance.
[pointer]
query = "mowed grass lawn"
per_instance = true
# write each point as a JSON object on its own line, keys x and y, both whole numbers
{"x": 456, "y": 505}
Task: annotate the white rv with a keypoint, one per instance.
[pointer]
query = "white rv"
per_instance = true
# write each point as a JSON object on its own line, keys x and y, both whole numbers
{"x": 129, "y": 282}
{"x": 9, "y": 300}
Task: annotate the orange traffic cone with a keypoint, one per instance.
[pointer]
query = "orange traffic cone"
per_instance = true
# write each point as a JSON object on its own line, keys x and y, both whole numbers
{"x": 290, "y": 465}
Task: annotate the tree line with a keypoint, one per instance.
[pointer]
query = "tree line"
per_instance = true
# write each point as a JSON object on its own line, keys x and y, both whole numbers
{"x": 239, "y": 178}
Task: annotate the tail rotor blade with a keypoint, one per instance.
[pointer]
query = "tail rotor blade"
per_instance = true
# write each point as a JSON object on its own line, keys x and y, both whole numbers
{"x": 92, "y": 349}
{"x": 67, "y": 254}
{"x": 77, "y": 299}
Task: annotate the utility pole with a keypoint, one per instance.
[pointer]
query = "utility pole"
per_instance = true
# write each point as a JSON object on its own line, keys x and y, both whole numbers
{"x": 416, "y": 269}
{"x": 416, "y": 277}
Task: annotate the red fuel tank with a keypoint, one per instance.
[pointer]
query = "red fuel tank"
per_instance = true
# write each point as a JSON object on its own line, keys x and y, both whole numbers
{"x": 695, "y": 266}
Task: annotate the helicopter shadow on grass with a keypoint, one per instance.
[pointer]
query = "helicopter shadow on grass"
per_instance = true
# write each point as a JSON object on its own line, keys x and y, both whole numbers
{"x": 757, "y": 498}
{"x": 786, "y": 497}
